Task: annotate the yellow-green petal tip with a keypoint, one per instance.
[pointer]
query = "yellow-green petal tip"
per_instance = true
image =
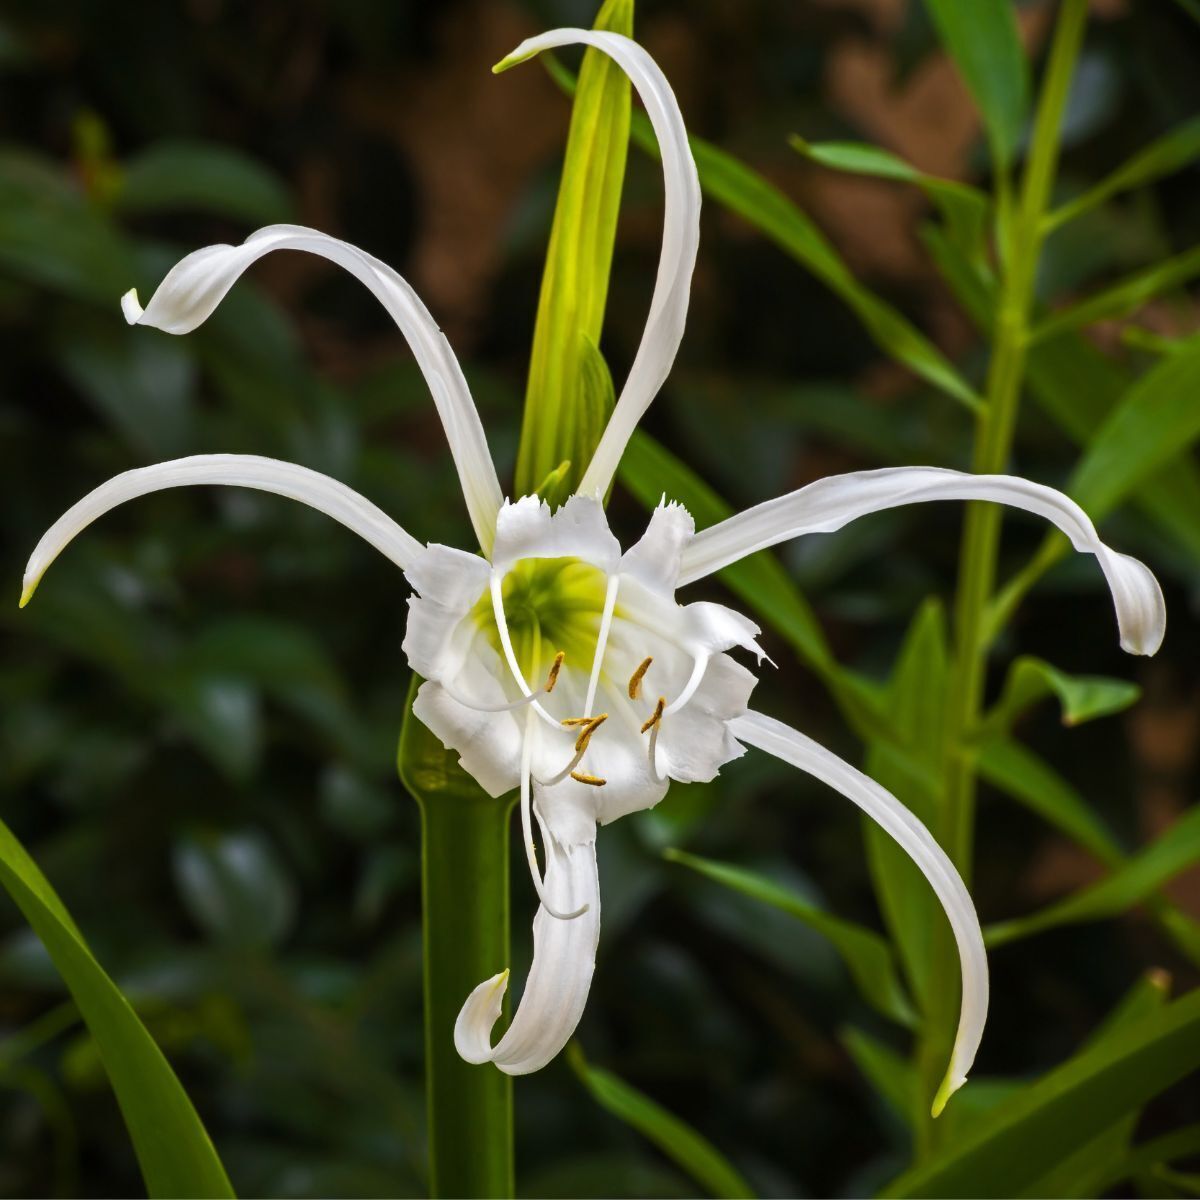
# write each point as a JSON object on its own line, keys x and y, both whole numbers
{"x": 27, "y": 593}
{"x": 950, "y": 1085}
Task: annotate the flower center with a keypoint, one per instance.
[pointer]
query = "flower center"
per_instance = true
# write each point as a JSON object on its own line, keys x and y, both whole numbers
{"x": 551, "y": 605}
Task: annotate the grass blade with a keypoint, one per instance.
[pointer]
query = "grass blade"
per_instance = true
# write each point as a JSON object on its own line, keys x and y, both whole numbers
{"x": 1169, "y": 153}
{"x": 174, "y": 1152}
{"x": 1021, "y": 774}
{"x": 1022, "y": 1139}
{"x": 1123, "y": 297}
{"x": 964, "y": 208}
{"x": 867, "y": 956}
{"x": 764, "y": 206}
{"x": 1134, "y": 881}
{"x": 982, "y": 39}
{"x": 1157, "y": 418}
{"x": 678, "y": 1141}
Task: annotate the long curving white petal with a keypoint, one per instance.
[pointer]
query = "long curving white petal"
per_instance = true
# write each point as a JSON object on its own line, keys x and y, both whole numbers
{"x": 881, "y": 806}
{"x": 681, "y": 238}
{"x": 830, "y": 503}
{"x": 564, "y": 956}
{"x": 196, "y": 284}
{"x": 318, "y": 491}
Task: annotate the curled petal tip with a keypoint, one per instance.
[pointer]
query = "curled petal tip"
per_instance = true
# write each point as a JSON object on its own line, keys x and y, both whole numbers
{"x": 130, "y": 307}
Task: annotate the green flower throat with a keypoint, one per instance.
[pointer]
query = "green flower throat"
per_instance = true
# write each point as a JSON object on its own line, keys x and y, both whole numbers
{"x": 550, "y": 604}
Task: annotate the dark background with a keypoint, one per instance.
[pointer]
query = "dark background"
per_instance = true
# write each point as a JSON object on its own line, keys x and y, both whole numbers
{"x": 201, "y": 707}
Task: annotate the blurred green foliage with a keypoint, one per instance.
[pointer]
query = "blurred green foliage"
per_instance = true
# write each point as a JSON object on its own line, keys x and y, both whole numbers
{"x": 200, "y": 712}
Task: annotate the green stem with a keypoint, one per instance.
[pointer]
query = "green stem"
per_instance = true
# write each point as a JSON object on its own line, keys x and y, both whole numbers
{"x": 464, "y": 893}
{"x": 981, "y": 538}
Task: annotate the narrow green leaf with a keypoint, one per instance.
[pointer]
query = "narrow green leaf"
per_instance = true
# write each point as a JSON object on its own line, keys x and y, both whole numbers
{"x": 1083, "y": 697}
{"x": 1123, "y": 297}
{"x": 893, "y": 1077}
{"x": 964, "y": 208}
{"x": 205, "y": 177}
{"x": 982, "y": 39}
{"x": 1021, "y": 774}
{"x": 1028, "y": 779}
{"x": 174, "y": 1151}
{"x": 648, "y": 470}
{"x": 867, "y": 956}
{"x": 1158, "y": 417}
{"x": 1129, "y": 884}
{"x": 915, "y": 703}
{"x": 1182, "y": 1143}
{"x": 1169, "y": 153}
{"x": 562, "y": 417}
{"x": 1078, "y": 1174}
{"x": 678, "y": 1141}
{"x": 1064, "y": 1110}
{"x": 1078, "y": 387}
{"x": 767, "y": 209}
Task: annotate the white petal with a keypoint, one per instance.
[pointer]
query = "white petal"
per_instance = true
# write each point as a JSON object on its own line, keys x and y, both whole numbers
{"x": 700, "y": 626}
{"x": 318, "y": 491}
{"x": 681, "y": 237}
{"x": 528, "y": 529}
{"x": 488, "y": 743}
{"x": 448, "y": 583}
{"x": 564, "y": 957}
{"x": 881, "y": 806}
{"x": 198, "y": 283}
{"x": 695, "y": 743}
{"x": 654, "y": 559}
{"x": 830, "y": 503}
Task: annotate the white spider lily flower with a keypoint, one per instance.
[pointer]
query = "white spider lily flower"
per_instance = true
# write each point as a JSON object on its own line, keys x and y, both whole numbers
{"x": 556, "y": 664}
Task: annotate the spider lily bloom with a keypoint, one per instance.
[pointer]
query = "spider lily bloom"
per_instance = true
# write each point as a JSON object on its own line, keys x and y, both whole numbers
{"x": 560, "y": 666}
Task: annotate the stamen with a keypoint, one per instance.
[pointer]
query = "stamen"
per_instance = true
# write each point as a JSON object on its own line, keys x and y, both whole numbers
{"x": 475, "y": 706}
{"x": 561, "y": 775}
{"x": 699, "y": 666}
{"x": 580, "y": 777}
{"x": 509, "y": 654}
{"x": 555, "y": 667}
{"x": 635, "y": 680}
{"x": 657, "y": 715}
{"x": 526, "y": 831}
{"x": 585, "y": 736}
{"x": 610, "y": 603}
{"x": 576, "y": 720}
{"x": 657, "y": 775}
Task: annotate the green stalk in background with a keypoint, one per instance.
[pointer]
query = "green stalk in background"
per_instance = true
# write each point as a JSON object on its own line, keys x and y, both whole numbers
{"x": 977, "y": 563}
{"x": 465, "y": 922}
{"x": 568, "y": 397}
